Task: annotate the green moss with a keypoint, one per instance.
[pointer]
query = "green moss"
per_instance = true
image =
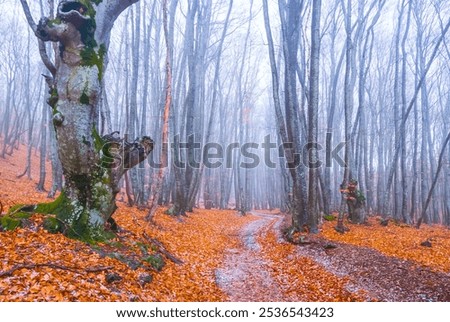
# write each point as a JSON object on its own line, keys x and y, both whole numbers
{"x": 53, "y": 225}
{"x": 15, "y": 208}
{"x": 143, "y": 248}
{"x": 9, "y": 223}
{"x": 89, "y": 234}
{"x": 87, "y": 32}
{"x": 98, "y": 141}
{"x": 71, "y": 217}
{"x": 156, "y": 261}
{"x": 90, "y": 57}
{"x": 107, "y": 159}
{"x": 115, "y": 244}
{"x": 80, "y": 228}
{"x": 53, "y": 22}
{"x": 100, "y": 196}
{"x": 170, "y": 211}
{"x": 53, "y": 99}
{"x": 360, "y": 196}
{"x": 51, "y": 208}
{"x": 90, "y": 8}
{"x": 15, "y": 215}
{"x": 58, "y": 118}
{"x": 22, "y": 215}
{"x": 329, "y": 217}
{"x": 101, "y": 54}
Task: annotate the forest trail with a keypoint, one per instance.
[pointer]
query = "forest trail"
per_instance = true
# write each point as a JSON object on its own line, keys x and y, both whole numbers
{"x": 381, "y": 277}
{"x": 247, "y": 266}
{"x": 264, "y": 267}
{"x": 248, "y": 274}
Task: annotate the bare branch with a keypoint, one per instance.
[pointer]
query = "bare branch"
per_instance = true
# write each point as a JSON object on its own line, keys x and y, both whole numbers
{"x": 117, "y": 6}
{"x": 163, "y": 250}
{"x": 42, "y": 50}
{"x": 113, "y": 10}
{"x": 45, "y": 59}
{"x": 26, "y": 10}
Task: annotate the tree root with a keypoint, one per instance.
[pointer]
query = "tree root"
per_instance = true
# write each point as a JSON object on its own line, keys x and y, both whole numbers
{"x": 341, "y": 229}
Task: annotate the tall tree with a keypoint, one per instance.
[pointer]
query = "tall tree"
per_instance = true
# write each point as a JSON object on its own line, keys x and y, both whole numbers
{"x": 290, "y": 14}
{"x": 168, "y": 37}
{"x": 348, "y": 110}
{"x": 313, "y": 110}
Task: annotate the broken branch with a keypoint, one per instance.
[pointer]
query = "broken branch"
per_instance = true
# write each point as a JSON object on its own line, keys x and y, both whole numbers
{"x": 163, "y": 250}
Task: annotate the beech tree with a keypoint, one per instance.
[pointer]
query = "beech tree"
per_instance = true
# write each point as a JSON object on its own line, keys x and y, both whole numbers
{"x": 93, "y": 165}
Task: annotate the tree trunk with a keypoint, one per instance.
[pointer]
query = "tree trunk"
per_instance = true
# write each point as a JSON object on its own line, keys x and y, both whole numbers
{"x": 348, "y": 109}
{"x": 92, "y": 165}
{"x": 168, "y": 101}
{"x": 313, "y": 110}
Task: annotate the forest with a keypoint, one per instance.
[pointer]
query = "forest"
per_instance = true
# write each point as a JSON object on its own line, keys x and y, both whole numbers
{"x": 225, "y": 150}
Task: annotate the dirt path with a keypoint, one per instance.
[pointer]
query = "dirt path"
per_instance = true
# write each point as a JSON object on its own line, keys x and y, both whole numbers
{"x": 247, "y": 276}
{"x": 382, "y": 277}
{"x": 245, "y": 272}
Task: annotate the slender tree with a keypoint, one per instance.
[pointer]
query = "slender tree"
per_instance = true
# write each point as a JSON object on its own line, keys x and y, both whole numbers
{"x": 313, "y": 109}
{"x": 168, "y": 102}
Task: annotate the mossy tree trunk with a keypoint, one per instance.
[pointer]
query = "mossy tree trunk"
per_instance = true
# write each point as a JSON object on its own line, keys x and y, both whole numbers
{"x": 92, "y": 165}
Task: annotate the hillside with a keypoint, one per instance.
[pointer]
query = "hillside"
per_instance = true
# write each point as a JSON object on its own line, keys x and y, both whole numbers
{"x": 225, "y": 257}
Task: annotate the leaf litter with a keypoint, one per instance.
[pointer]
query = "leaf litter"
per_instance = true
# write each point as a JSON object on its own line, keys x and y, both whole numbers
{"x": 38, "y": 266}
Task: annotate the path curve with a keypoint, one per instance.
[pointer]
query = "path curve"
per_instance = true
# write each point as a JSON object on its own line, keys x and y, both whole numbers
{"x": 246, "y": 272}
{"x": 247, "y": 276}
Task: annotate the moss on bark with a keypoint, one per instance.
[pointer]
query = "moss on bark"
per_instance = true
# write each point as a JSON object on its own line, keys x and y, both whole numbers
{"x": 67, "y": 216}
{"x": 92, "y": 57}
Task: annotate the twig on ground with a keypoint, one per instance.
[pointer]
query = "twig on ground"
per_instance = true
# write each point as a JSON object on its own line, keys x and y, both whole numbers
{"x": 55, "y": 266}
{"x": 163, "y": 250}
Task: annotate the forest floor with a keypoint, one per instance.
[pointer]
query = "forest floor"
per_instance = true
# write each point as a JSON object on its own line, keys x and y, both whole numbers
{"x": 226, "y": 257}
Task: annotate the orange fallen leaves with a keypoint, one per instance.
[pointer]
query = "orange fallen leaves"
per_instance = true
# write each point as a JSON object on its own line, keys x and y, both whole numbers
{"x": 200, "y": 240}
{"x": 400, "y": 241}
{"x": 302, "y": 278}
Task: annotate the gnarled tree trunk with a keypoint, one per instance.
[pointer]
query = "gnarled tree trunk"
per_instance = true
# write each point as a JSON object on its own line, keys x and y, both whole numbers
{"x": 92, "y": 165}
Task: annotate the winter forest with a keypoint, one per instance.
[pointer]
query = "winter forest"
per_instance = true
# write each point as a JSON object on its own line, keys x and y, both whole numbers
{"x": 180, "y": 150}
